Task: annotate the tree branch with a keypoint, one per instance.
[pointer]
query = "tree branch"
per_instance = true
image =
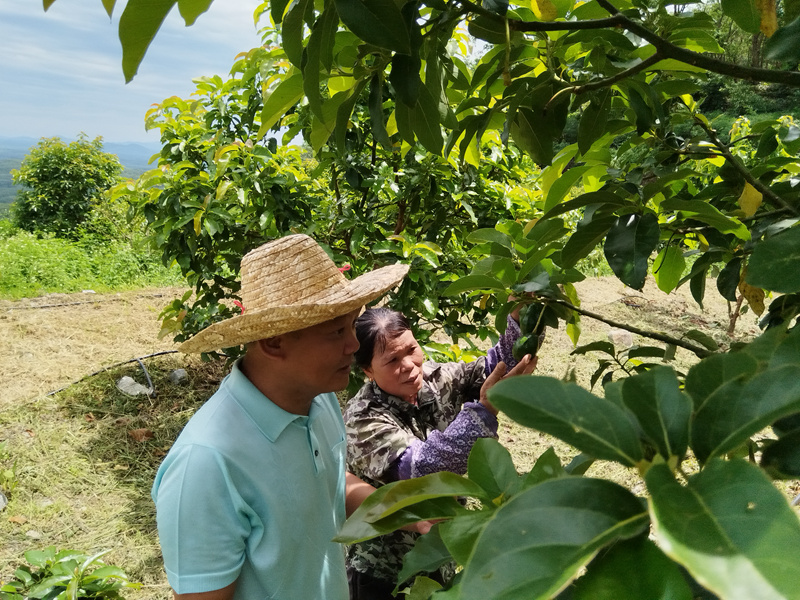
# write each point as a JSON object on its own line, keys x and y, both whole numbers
{"x": 765, "y": 190}
{"x": 669, "y": 50}
{"x": 700, "y": 351}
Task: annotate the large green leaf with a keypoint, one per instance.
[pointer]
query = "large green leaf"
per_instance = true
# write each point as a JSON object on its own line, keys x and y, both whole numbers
{"x": 739, "y": 409}
{"x": 668, "y": 268}
{"x": 662, "y": 409}
{"x": 784, "y": 43}
{"x": 491, "y": 467}
{"x": 411, "y": 491}
{"x": 608, "y": 577}
{"x": 774, "y": 263}
{"x": 731, "y": 529}
{"x": 711, "y": 373}
{"x": 532, "y": 137}
{"x": 191, "y": 9}
{"x": 543, "y": 537}
{"x": 585, "y": 239}
{"x": 781, "y": 458}
{"x": 629, "y": 244}
{"x": 425, "y": 121}
{"x": 593, "y": 120}
{"x": 706, "y": 213}
{"x": 138, "y": 25}
{"x": 744, "y": 13}
{"x": 287, "y": 94}
{"x": 728, "y": 279}
{"x": 473, "y": 282}
{"x": 377, "y": 22}
{"x": 427, "y": 555}
{"x": 461, "y": 533}
{"x": 594, "y": 425}
{"x": 562, "y": 186}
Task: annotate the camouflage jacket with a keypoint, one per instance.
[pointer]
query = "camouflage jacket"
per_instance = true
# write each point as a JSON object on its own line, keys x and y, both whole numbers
{"x": 381, "y": 427}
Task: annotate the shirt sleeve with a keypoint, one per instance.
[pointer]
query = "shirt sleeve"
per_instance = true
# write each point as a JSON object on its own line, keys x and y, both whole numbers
{"x": 448, "y": 450}
{"x": 374, "y": 443}
{"x": 193, "y": 486}
{"x": 502, "y": 350}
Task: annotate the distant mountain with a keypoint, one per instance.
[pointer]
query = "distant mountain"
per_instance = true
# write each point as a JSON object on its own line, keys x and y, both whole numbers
{"x": 134, "y": 157}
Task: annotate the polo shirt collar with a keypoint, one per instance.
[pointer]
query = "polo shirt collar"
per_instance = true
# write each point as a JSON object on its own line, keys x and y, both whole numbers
{"x": 267, "y": 416}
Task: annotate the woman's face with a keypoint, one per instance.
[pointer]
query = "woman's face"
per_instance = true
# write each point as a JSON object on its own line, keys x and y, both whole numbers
{"x": 398, "y": 368}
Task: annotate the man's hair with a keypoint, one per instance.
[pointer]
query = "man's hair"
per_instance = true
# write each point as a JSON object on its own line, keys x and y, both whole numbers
{"x": 374, "y": 328}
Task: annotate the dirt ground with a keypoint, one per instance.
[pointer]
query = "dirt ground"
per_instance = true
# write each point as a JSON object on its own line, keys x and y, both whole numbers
{"x": 50, "y": 342}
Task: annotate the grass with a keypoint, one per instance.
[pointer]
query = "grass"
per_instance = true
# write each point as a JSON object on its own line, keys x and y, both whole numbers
{"x": 30, "y": 266}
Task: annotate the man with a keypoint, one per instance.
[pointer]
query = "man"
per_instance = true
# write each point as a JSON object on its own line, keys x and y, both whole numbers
{"x": 254, "y": 489}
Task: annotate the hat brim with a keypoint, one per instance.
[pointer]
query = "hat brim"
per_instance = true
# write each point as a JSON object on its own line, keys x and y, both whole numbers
{"x": 276, "y": 320}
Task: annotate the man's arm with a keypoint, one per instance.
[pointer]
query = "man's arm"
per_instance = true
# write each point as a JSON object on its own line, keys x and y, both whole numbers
{"x": 225, "y": 593}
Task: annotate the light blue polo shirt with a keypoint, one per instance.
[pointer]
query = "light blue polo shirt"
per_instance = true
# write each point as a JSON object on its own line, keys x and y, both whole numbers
{"x": 254, "y": 494}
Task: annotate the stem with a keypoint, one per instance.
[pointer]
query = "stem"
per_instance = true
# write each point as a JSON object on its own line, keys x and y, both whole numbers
{"x": 661, "y": 337}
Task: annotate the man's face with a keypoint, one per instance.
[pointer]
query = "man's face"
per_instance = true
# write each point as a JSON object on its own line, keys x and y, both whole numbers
{"x": 320, "y": 357}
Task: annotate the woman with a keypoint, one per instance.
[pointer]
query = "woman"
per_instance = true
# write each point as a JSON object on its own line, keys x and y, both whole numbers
{"x": 413, "y": 418}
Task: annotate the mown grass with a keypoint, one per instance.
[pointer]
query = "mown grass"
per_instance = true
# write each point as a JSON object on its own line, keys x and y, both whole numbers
{"x": 32, "y": 266}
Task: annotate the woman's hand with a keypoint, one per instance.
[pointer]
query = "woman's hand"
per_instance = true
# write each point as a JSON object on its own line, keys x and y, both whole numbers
{"x": 523, "y": 367}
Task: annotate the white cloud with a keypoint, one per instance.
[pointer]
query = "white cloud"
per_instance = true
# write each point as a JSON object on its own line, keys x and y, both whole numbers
{"x": 62, "y": 74}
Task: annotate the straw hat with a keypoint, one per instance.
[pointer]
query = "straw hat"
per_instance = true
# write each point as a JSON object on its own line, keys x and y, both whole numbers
{"x": 290, "y": 284}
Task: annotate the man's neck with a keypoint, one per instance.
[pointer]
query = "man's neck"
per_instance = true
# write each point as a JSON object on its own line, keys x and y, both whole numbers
{"x": 277, "y": 389}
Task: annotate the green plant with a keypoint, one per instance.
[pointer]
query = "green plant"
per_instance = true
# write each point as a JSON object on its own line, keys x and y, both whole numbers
{"x": 65, "y": 575}
{"x": 553, "y": 532}
{"x": 61, "y": 184}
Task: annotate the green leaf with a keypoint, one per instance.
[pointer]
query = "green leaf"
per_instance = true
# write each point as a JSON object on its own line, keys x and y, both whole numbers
{"x": 593, "y": 425}
{"x": 585, "y": 239}
{"x": 602, "y": 198}
{"x": 404, "y": 78}
{"x": 376, "y": 111}
{"x": 547, "y": 466}
{"x": 744, "y": 13}
{"x": 703, "y": 338}
{"x": 668, "y": 268}
{"x": 540, "y": 539}
{"x": 731, "y": 529}
{"x": 412, "y": 491}
{"x": 711, "y": 373}
{"x": 461, "y": 533}
{"x": 562, "y": 186}
{"x": 784, "y": 45}
{"x": 781, "y": 458}
{"x": 343, "y": 114}
{"x": 377, "y": 22}
{"x": 608, "y": 577}
{"x": 138, "y": 25}
{"x": 428, "y": 554}
{"x": 531, "y": 137}
{"x": 423, "y": 588}
{"x": 191, "y": 9}
{"x": 480, "y": 236}
{"x": 628, "y": 246}
{"x": 472, "y": 283}
{"x": 425, "y": 121}
{"x": 706, "y": 213}
{"x": 593, "y": 120}
{"x": 287, "y": 94}
{"x": 739, "y": 409}
{"x": 491, "y": 467}
{"x": 598, "y": 346}
{"x": 774, "y": 263}
{"x": 662, "y": 409}
{"x": 728, "y": 279}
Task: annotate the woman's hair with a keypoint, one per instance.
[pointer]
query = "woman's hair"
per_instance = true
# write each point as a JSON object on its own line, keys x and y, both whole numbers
{"x": 374, "y": 328}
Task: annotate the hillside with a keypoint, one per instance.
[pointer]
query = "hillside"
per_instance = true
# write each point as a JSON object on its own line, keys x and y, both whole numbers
{"x": 134, "y": 157}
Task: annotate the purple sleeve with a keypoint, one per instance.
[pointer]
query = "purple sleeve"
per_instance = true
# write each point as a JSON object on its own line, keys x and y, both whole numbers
{"x": 502, "y": 349}
{"x": 447, "y": 450}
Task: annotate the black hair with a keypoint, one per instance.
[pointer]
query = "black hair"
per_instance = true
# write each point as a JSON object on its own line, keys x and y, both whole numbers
{"x": 374, "y": 328}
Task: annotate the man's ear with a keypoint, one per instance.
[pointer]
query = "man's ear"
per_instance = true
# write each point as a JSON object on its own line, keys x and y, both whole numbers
{"x": 271, "y": 347}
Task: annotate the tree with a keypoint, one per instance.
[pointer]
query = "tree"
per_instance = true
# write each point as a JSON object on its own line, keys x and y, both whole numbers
{"x": 62, "y": 184}
{"x": 651, "y": 182}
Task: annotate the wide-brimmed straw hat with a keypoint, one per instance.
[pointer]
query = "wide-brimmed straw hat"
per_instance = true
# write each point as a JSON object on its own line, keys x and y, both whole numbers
{"x": 290, "y": 284}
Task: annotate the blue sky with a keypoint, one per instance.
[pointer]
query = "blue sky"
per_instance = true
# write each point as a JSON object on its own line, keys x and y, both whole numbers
{"x": 61, "y": 70}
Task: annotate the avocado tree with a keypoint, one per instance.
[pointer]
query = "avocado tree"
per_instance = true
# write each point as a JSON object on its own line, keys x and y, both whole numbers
{"x": 650, "y": 181}
{"x": 62, "y": 184}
